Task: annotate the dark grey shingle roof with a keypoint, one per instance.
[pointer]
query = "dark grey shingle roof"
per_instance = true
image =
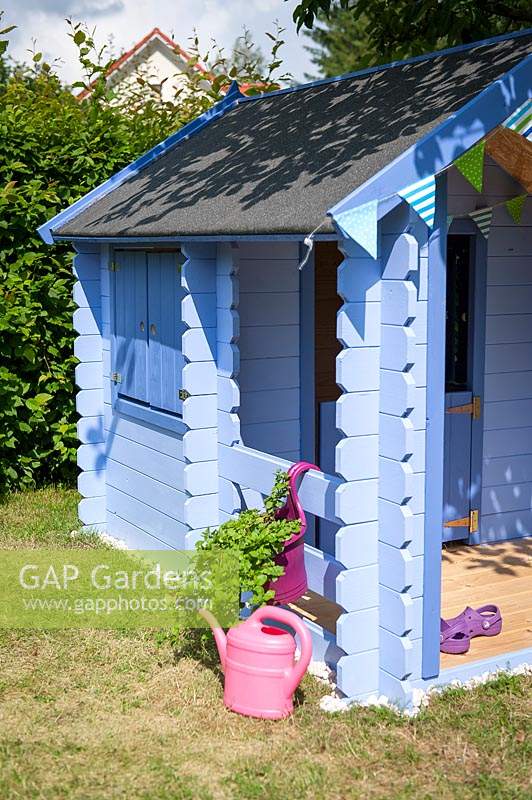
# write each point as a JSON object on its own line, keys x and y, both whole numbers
{"x": 276, "y": 164}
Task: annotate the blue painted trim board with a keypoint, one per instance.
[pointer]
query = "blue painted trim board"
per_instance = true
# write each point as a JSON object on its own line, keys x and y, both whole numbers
{"x": 165, "y": 240}
{"x": 441, "y": 146}
{"x": 467, "y": 671}
{"x": 434, "y": 436}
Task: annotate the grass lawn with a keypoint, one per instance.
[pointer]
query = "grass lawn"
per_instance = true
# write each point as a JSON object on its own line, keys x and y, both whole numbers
{"x": 97, "y": 715}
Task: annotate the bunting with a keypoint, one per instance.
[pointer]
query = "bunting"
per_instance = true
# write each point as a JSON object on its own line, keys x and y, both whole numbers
{"x": 471, "y": 165}
{"x": 450, "y": 218}
{"x": 521, "y": 120}
{"x": 515, "y": 207}
{"x": 482, "y": 217}
{"x": 422, "y": 197}
{"x": 360, "y": 224}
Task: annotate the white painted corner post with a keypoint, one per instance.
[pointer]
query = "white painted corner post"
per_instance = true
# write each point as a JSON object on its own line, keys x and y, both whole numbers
{"x": 228, "y": 333}
{"x": 357, "y": 462}
{"x": 91, "y": 347}
{"x": 200, "y": 446}
{"x": 399, "y": 574}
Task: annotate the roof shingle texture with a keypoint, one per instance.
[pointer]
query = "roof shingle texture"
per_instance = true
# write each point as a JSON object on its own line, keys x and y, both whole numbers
{"x": 276, "y": 164}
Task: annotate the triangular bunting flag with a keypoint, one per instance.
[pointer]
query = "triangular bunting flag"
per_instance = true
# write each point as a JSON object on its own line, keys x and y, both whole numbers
{"x": 360, "y": 224}
{"x": 515, "y": 207}
{"x": 422, "y": 197}
{"x": 449, "y": 220}
{"x": 471, "y": 165}
{"x": 521, "y": 120}
{"x": 482, "y": 217}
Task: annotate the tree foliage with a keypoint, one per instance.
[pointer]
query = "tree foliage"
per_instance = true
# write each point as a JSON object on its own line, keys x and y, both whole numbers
{"x": 402, "y": 28}
{"x": 340, "y": 43}
{"x": 53, "y": 150}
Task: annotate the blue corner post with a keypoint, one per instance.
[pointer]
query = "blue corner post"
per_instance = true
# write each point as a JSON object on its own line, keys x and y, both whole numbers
{"x": 437, "y": 267}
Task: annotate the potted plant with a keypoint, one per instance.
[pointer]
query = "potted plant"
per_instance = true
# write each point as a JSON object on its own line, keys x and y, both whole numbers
{"x": 258, "y": 537}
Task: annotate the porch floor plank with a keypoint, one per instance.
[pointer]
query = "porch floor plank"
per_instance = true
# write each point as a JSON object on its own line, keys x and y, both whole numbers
{"x": 499, "y": 573}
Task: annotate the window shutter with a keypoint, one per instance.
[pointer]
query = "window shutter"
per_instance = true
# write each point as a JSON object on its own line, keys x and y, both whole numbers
{"x": 165, "y": 331}
{"x": 131, "y": 325}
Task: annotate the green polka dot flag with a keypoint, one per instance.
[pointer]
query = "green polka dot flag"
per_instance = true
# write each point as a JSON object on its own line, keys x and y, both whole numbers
{"x": 515, "y": 207}
{"x": 471, "y": 165}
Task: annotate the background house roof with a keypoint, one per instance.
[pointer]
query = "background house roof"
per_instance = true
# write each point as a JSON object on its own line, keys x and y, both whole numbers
{"x": 275, "y": 164}
{"x": 175, "y": 50}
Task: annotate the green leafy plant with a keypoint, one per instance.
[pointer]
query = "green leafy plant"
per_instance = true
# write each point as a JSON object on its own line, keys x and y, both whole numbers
{"x": 257, "y": 537}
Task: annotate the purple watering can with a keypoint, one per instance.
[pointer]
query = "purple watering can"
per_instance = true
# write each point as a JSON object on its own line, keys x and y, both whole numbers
{"x": 293, "y": 583}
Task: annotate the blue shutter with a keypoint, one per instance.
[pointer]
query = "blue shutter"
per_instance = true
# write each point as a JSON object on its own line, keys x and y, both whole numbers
{"x": 131, "y": 325}
{"x": 165, "y": 331}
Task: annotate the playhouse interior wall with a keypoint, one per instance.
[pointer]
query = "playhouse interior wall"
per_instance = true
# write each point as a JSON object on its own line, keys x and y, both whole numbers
{"x": 506, "y": 493}
{"x": 269, "y": 377}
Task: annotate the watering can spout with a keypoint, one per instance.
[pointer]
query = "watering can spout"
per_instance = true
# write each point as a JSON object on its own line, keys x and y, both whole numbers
{"x": 219, "y": 635}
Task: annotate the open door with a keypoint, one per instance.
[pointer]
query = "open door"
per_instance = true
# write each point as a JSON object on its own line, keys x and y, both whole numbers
{"x": 462, "y": 406}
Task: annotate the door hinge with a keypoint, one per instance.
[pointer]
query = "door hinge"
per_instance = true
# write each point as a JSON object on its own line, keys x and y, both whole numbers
{"x": 116, "y": 377}
{"x": 471, "y": 522}
{"x": 474, "y": 408}
{"x": 183, "y": 394}
{"x": 113, "y": 267}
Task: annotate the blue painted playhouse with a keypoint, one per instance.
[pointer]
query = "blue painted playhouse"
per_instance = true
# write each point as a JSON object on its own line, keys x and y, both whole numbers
{"x": 399, "y": 358}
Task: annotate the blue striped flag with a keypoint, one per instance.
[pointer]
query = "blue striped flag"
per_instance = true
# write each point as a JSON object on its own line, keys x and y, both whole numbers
{"x": 422, "y": 197}
{"x": 521, "y": 120}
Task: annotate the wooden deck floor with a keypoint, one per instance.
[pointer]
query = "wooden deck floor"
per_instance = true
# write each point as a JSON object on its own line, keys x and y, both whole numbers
{"x": 474, "y": 576}
{"x": 499, "y": 573}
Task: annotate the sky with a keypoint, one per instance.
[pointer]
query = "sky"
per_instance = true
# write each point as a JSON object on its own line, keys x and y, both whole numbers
{"x": 127, "y": 21}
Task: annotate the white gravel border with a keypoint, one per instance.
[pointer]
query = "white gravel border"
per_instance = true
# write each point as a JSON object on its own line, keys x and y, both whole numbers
{"x": 333, "y": 703}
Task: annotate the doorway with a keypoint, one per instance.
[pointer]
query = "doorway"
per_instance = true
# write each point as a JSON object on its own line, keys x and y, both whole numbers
{"x": 463, "y": 388}
{"x": 327, "y": 303}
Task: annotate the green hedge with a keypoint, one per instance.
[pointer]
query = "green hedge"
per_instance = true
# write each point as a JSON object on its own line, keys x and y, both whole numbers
{"x": 53, "y": 150}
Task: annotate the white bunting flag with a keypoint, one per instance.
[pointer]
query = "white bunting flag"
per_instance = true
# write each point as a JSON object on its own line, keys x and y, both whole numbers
{"x": 360, "y": 224}
{"x": 422, "y": 197}
{"x": 521, "y": 120}
{"x": 482, "y": 218}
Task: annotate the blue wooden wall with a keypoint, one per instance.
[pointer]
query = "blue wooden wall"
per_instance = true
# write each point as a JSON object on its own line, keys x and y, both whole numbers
{"x": 147, "y": 477}
{"x": 402, "y": 431}
{"x": 91, "y": 322}
{"x": 269, "y": 347}
{"x": 506, "y": 497}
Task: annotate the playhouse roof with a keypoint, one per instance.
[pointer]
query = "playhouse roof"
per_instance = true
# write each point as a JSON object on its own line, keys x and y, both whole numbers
{"x": 276, "y": 163}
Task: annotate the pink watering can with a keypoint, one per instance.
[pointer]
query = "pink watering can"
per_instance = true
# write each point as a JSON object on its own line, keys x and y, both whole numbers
{"x": 261, "y": 673}
{"x": 293, "y": 583}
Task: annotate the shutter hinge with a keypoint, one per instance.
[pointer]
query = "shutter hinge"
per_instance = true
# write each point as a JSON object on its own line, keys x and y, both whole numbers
{"x": 113, "y": 267}
{"x": 470, "y": 522}
{"x": 116, "y": 377}
{"x": 183, "y": 394}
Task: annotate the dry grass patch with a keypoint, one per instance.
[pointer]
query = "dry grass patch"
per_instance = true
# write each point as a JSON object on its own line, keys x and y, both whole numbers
{"x": 95, "y": 715}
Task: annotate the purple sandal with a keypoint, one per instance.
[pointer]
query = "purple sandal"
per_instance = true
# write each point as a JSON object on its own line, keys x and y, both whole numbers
{"x": 456, "y": 633}
{"x": 484, "y": 621}
{"x": 452, "y": 638}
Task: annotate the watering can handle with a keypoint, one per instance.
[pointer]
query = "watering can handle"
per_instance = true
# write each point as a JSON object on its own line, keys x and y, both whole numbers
{"x": 293, "y": 621}
{"x": 295, "y": 472}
